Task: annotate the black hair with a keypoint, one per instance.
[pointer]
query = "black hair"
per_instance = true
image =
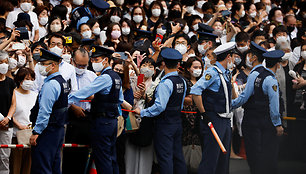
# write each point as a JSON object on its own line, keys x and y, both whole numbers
{"x": 258, "y": 33}
{"x": 56, "y": 35}
{"x": 36, "y": 44}
{"x": 207, "y": 6}
{"x": 278, "y": 29}
{"x": 272, "y": 13}
{"x": 149, "y": 12}
{"x": 91, "y": 22}
{"x": 60, "y": 11}
{"x": 171, "y": 64}
{"x": 148, "y": 60}
{"x": 21, "y": 75}
{"x": 185, "y": 36}
{"x": 242, "y": 36}
{"x": 270, "y": 64}
{"x": 236, "y": 7}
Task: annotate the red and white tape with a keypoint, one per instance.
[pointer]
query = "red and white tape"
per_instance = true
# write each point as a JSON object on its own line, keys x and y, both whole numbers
{"x": 28, "y": 146}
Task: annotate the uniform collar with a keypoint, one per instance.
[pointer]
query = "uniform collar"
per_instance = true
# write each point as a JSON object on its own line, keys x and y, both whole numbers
{"x": 259, "y": 65}
{"x": 223, "y": 70}
{"x": 107, "y": 68}
{"x": 51, "y": 76}
{"x": 170, "y": 74}
{"x": 271, "y": 71}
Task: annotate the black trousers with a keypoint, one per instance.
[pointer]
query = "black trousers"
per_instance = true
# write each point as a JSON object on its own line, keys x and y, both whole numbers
{"x": 261, "y": 143}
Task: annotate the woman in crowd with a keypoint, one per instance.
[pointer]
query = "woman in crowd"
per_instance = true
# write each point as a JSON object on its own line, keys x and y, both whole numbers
{"x": 139, "y": 20}
{"x": 113, "y": 35}
{"x": 25, "y": 100}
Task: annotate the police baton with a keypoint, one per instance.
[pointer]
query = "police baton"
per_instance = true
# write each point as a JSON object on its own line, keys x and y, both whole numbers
{"x": 210, "y": 125}
{"x": 294, "y": 118}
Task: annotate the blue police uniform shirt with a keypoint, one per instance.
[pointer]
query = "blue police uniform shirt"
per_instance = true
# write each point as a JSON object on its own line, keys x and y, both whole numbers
{"x": 248, "y": 90}
{"x": 83, "y": 81}
{"x": 162, "y": 95}
{"x": 267, "y": 87}
{"x": 49, "y": 94}
{"x": 102, "y": 84}
{"x": 213, "y": 83}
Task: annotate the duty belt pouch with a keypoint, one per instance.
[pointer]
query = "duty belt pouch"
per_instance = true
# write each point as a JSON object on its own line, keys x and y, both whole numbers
{"x": 144, "y": 135}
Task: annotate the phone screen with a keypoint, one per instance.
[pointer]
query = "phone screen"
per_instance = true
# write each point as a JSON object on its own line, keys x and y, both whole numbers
{"x": 122, "y": 55}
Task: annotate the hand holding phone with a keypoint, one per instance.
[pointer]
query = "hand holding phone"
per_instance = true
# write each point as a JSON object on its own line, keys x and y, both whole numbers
{"x": 140, "y": 79}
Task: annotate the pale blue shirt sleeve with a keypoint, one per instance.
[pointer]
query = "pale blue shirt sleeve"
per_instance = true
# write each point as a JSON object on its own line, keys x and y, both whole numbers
{"x": 49, "y": 95}
{"x": 267, "y": 88}
{"x": 101, "y": 84}
{"x": 162, "y": 95}
{"x": 247, "y": 92}
{"x": 208, "y": 80}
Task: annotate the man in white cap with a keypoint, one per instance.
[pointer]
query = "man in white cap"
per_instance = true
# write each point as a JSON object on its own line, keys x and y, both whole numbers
{"x": 212, "y": 95}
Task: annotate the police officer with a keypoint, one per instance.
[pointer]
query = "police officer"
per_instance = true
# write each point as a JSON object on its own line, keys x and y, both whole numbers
{"x": 104, "y": 110}
{"x": 246, "y": 98}
{"x": 264, "y": 122}
{"x": 50, "y": 117}
{"x": 168, "y": 103}
{"x": 74, "y": 159}
{"x": 212, "y": 95}
{"x": 206, "y": 41}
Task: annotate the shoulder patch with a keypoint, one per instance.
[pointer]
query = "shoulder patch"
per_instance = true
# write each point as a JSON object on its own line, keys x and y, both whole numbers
{"x": 207, "y": 77}
{"x": 274, "y": 87}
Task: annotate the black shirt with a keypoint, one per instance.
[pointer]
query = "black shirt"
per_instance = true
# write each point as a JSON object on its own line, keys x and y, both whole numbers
{"x": 7, "y": 87}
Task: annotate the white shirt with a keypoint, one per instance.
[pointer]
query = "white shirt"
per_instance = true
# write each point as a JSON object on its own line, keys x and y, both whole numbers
{"x": 65, "y": 69}
{"x": 12, "y": 17}
{"x": 83, "y": 81}
{"x": 24, "y": 104}
{"x": 42, "y": 32}
{"x": 296, "y": 54}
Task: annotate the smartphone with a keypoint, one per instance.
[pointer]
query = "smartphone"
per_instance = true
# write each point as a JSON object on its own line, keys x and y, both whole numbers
{"x": 226, "y": 13}
{"x": 122, "y": 55}
{"x": 18, "y": 46}
{"x": 159, "y": 38}
{"x": 24, "y": 34}
{"x": 140, "y": 79}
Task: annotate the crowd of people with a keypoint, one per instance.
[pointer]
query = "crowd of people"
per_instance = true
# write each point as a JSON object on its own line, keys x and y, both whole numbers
{"x": 141, "y": 81}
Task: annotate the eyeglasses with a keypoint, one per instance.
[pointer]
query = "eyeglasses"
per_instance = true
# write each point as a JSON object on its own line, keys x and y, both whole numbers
{"x": 53, "y": 44}
{"x": 80, "y": 66}
{"x": 43, "y": 64}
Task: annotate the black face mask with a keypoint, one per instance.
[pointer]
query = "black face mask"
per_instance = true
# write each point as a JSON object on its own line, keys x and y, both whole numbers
{"x": 173, "y": 14}
{"x": 290, "y": 29}
{"x": 36, "y": 56}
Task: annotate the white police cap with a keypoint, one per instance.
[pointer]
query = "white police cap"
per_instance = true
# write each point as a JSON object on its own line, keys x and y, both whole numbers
{"x": 225, "y": 48}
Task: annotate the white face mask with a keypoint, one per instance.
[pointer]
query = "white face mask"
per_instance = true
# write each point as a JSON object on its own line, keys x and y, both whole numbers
{"x": 186, "y": 29}
{"x": 43, "y": 21}
{"x": 303, "y": 54}
{"x": 148, "y": 2}
{"x": 55, "y": 28}
{"x": 166, "y": 12}
{"x": 286, "y": 56}
{"x": 147, "y": 72}
{"x": 230, "y": 65}
{"x": 156, "y": 12}
{"x": 77, "y": 2}
{"x": 21, "y": 61}
{"x": 98, "y": 67}
{"x": 242, "y": 14}
{"x": 237, "y": 61}
{"x": 200, "y": 4}
{"x": 97, "y": 31}
{"x": 115, "y": 19}
{"x": 161, "y": 31}
{"x": 12, "y": 63}
{"x": 87, "y": 34}
{"x": 25, "y": 6}
{"x": 243, "y": 49}
{"x": 197, "y": 72}
{"x": 248, "y": 63}
{"x": 57, "y": 50}
{"x": 268, "y": 8}
{"x": 126, "y": 30}
{"x": 253, "y": 15}
{"x": 181, "y": 48}
{"x": 189, "y": 9}
{"x": 137, "y": 18}
{"x": 3, "y": 68}
{"x": 79, "y": 71}
{"x": 201, "y": 49}
{"x": 66, "y": 58}
{"x": 218, "y": 32}
{"x": 27, "y": 84}
{"x": 195, "y": 27}
{"x": 42, "y": 70}
{"x": 281, "y": 39}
